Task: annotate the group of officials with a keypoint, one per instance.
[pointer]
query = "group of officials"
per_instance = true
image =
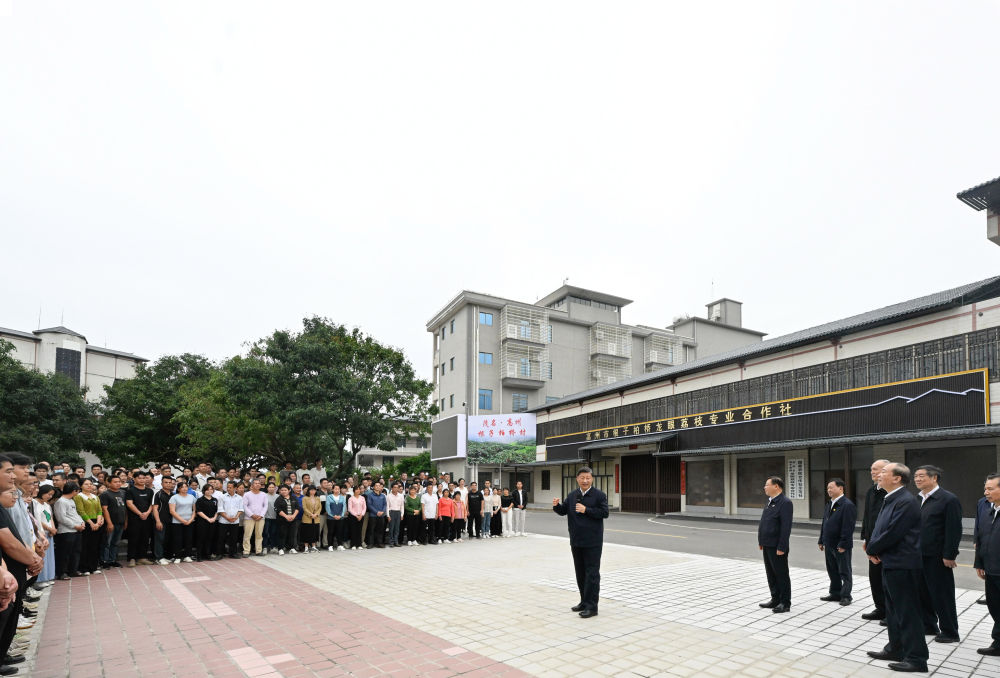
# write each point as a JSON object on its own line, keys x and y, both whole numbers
{"x": 911, "y": 542}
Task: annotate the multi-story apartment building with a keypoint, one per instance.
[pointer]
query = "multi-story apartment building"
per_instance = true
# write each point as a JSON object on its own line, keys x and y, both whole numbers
{"x": 497, "y": 355}
{"x": 407, "y": 445}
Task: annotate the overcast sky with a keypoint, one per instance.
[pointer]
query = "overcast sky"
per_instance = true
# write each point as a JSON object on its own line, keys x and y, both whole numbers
{"x": 190, "y": 176}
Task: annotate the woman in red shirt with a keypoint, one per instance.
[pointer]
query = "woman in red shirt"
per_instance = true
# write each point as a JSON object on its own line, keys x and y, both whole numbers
{"x": 446, "y": 509}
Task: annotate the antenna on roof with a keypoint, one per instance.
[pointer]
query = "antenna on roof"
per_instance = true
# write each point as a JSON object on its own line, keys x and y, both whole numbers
{"x": 62, "y": 318}
{"x": 712, "y": 293}
{"x": 39, "y": 317}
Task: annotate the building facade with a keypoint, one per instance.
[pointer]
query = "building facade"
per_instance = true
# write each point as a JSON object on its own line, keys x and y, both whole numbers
{"x": 910, "y": 383}
{"x": 493, "y": 355}
{"x": 59, "y": 349}
{"x": 407, "y": 445}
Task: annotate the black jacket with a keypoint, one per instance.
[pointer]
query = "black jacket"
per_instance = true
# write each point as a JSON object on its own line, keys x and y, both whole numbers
{"x": 775, "y": 526}
{"x": 518, "y": 501}
{"x": 838, "y": 524}
{"x": 585, "y": 529}
{"x": 987, "y": 538}
{"x": 940, "y": 525}
{"x": 896, "y": 535}
{"x": 873, "y": 504}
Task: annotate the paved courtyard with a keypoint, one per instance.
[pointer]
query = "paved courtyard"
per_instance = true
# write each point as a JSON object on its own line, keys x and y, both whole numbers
{"x": 495, "y": 607}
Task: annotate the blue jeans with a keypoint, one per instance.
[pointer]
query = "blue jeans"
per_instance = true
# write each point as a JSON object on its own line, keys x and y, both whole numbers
{"x": 395, "y": 517}
{"x": 270, "y": 533}
{"x": 486, "y": 523}
{"x": 109, "y": 551}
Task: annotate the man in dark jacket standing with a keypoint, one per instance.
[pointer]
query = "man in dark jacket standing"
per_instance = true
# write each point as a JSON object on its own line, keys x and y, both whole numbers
{"x": 940, "y": 532}
{"x": 836, "y": 539}
{"x": 773, "y": 534}
{"x": 895, "y": 543}
{"x": 988, "y": 558}
{"x": 586, "y": 509}
{"x": 873, "y": 504}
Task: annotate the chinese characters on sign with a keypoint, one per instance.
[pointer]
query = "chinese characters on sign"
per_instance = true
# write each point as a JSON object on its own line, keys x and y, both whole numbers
{"x": 796, "y": 480}
{"x": 501, "y": 428}
{"x": 706, "y": 420}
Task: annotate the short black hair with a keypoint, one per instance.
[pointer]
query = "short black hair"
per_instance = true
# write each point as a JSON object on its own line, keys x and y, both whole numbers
{"x": 18, "y": 459}
{"x": 931, "y": 470}
{"x": 839, "y": 482}
{"x": 39, "y": 467}
{"x": 585, "y": 469}
{"x": 776, "y": 480}
{"x": 70, "y": 487}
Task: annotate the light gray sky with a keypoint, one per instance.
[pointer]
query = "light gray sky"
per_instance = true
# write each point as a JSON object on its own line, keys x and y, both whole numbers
{"x": 189, "y": 176}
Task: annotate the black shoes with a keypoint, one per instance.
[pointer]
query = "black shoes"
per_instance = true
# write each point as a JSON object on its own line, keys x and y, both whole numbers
{"x": 907, "y": 667}
{"x": 587, "y": 614}
{"x": 991, "y": 651}
{"x": 770, "y": 603}
{"x": 781, "y": 607}
{"x": 883, "y": 622}
{"x": 577, "y": 608}
{"x": 11, "y": 660}
{"x": 883, "y": 655}
{"x": 830, "y": 599}
{"x": 874, "y": 614}
{"x": 982, "y": 600}
{"x": 941, "y": 638}
{"x": 846, "y": 601}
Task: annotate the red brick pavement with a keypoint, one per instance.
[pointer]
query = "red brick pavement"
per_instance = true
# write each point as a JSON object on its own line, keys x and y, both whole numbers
{"x": 232, "y": 618}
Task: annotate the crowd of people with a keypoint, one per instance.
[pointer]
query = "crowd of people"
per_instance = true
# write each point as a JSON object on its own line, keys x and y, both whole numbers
{"x": 58, "y": 522}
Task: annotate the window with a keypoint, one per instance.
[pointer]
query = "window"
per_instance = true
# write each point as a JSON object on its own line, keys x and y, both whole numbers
{"x": 421, "y": 443}
{"x": 548, "y": 333}
{"x": 442, "y": 369}
{"x": 442, "y": 404}
{"x": 401, "y": 441}
{"x": 546, "y": 370}
{"x": 452, "y": 326}
{"x": 68, "y": 363}
{"x": 524, "y": 331}
{"x": 442, "y": 333}
{"x": 452, "y": 364}
{"x": 551, "y": 399}
{"x": 525, "y": 370}
{"x": 485, "y": 318}
{"x": 485, "y": 358}
{"x": 705, "y": 484}
{"x": 485, "y": 399}
{"x": 520, "y": 402}
{"x": 388, "y": 461}
{"x": 451, "y": 400}
{"x": 751, "y": 472}
{"x": 546, "y": 479}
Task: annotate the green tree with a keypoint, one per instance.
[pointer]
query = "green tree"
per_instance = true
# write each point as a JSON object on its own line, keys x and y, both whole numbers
{"x": 42, "y": 415}
{"x": 414, "y": 465}
{"x": 327, "y": 392}
{"x": 137, "y": 423}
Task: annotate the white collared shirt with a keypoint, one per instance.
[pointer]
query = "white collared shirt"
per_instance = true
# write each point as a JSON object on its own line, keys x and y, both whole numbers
{"x": 888, "y": 494}
{"x": 923, "y": 496}
{"x": 834, "y": 501}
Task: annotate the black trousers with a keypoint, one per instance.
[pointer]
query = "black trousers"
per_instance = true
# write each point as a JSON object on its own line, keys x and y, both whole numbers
{"x": 429, "y": 531}
{"x": 937, "y": 597}
{"x": 90, "y": 548}
{"x": 457, "y": 528}
{"x": 838, "y": 567}
{"x": 10, "y": 627}
{"x": 902, "y": 608}
{"x": 288, "y": 534}
{"x": 67, "y": 553}
{"x": 444, "y": 528}
{"x": 993, "y": 604}
{"x": 183, "y": 539}
{"x": 412, "y": 527}
{"x": 587, "y": 562}
{"x": 228, "y": 535}
{"x": 475, "y": 522}
{"x": 139, "y": 532}
{"x": 356, "y": 526}
{"x": 776, "y": 568}
{"x": 875, "y": 579}
{"x": 376, "y": 530}
{"x": 204, "y": 538}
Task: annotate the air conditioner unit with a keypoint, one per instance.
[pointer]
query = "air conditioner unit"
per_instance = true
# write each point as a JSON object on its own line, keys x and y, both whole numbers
{"x": 654, "y": 357}
{"x": 613, "y": 349}
{"x": 512, "y": 331}
{"x": 511, "y": 369}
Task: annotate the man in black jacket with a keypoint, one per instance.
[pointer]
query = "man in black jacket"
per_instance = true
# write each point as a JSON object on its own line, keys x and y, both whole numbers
{"x": 988, "y": 557}
{"x": 940, "y": 533}
{"x": 873, "y": 504}
{"x": 773, "y": 534}
{"x": 586, "y": 509}
{"x": 895, "y": 543}
{"x": 475, "y": 502}
{"x": 836, "y": 539}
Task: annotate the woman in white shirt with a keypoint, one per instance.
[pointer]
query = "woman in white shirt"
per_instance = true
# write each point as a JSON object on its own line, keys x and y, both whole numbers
{"x": 43, "y": 514}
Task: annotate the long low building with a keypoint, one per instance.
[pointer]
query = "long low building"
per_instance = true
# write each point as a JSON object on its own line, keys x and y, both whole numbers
{"x": 910, "y": 383}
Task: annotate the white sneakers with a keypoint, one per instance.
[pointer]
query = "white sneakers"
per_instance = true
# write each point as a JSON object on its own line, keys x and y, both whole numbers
{"x": 292, "y": 551}
{"x": 187, "y": 559}
{"x": 341, "y": 548}
{"x": 162, "y": 561}
{"x": 281, "y": 552}
{"x": 330, "y": 548}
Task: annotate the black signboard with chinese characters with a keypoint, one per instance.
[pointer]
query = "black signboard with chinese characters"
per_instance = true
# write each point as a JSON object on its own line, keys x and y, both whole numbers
{"x": 959, "y": 399}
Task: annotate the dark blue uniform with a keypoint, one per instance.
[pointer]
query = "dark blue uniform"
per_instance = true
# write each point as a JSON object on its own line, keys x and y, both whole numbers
{"x": 895, "y": 540}
{"x": 988, "y": 559}
{"x": 586, "y": 540}
{"x": 837, "y": 533}
{"x": 940, "y": 533}
{"x": 773, "y": 534}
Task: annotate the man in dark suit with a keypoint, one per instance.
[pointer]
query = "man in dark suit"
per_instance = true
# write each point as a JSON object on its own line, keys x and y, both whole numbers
{"x": 873, "y": 504}
{"x": 586, "y": 508}
{"x": 988, "y": 557}
{"x": 836, "y": 539}
{"x": 940, "y": 533}
{"x": 984, "y": 510}
{"x": 520, "y": 506}
{"x": 895, "y": 543}
{"x": 773, "y": 534}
